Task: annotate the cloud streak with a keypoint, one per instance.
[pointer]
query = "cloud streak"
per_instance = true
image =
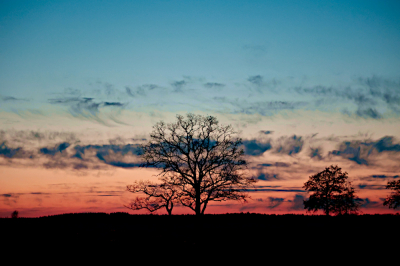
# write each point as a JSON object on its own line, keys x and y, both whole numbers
{"x": 214, "y": 85}
{"x": 11, "y": 99}
{"x": 362, "y": 152}
{"x": 265, "y": 107}
{"x": 86, "y": 107}
{"x": 369, "y": 95}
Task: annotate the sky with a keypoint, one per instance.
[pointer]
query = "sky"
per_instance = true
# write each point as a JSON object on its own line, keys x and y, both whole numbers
{"x": 306, "y": 84}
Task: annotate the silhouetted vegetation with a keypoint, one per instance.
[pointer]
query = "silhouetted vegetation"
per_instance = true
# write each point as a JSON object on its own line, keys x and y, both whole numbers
{"x": 14, "y": 214}
{"x": 393, "y": 201}
{"x": 201, "y": 162}
{"x": 212, "y": 234}
{"x": 157, "y": 196}
{"x": 332, "y": 193}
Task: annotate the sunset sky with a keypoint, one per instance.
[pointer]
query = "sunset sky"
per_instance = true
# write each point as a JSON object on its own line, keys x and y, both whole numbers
{"x": 306, "y": 84}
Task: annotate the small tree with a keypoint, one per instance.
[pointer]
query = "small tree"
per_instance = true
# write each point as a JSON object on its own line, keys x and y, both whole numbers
{"x": 157, "y": 196}
{"x": 332, "y": 193}
{"x": 14, "y": 214}
{"x": 204, "y": 158}
{"x": 393, "y": 200}
{"x": 147, "y": 203}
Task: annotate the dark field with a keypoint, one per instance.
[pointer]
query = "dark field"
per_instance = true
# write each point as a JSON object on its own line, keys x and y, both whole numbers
{"x": 184, "y": 233}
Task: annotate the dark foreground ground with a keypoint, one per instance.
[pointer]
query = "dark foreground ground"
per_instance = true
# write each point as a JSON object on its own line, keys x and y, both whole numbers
{"x": 236, "y": 234}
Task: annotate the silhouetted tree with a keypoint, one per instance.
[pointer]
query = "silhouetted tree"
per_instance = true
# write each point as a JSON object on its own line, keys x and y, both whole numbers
{"x": 332, "y": 193}
{"x": 148, "y": 203}
{"x": 157, "y": 196}
{"x": 393, "y": 200}
{"x": 200, "y": 157}
{"x": 14, "y": 214}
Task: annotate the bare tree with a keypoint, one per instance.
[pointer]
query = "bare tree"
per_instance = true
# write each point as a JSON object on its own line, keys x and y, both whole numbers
{"x": 157, "y": 196}
{"x": 332, "y": 193}
{"x": 147, "y": 203}
{"x": 200, "y": 157}
{"x": 393, "y": 200}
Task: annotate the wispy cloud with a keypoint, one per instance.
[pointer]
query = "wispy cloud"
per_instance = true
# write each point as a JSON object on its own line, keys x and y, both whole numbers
{"x": 267, "y": 107}
{"x": 361, "y": 152}
{"x": 263, "y": 85}
{"x": 367, "y": 203}
{"x": 371, "y": 96}
{"x": 266, "y": 132}
{"x": 254, "y": 147}
{"x": 297, "y": 203}
{"x": 179, "y": 85}
{"x": 86, "y": 107}
{"x": 66, "y": 154}
{"x": 316, "y": 152}
{"x": 214, "y": 85}
{"x": 379, "y": 177}
{"x": 58, "y": 148}
{"x": 273, "y": 202}
{"x": 29, "y": 137}
{"x": 368, "y": 113}
{"x": 80, "y": 105}
{"x": 125, "y": 156}
{"x": 267, "y": 176}
{"x": 11, "y": 99}
{"x": 256, "y": 80}
{"x": 142, "y": 90}
{"x": 9, "y": 152}
{"x": 289, "y": 145}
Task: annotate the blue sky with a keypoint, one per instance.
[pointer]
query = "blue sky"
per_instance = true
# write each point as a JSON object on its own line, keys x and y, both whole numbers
{"x": 48, "y": 46}
{"x": 322, "y": 77}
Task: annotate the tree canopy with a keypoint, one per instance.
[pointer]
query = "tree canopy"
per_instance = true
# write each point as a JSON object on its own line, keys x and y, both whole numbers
{"x": 331, "y": 192}
{"x": 393, "y": 201}
{"x": 14, "y": 214}
{"x": 199, "y": 158}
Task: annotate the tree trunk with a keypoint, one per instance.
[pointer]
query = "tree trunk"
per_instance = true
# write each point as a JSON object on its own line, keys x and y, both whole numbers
{"x": 169, "y": 210}
{"x": 327, "y": 204}
{"x": 198, "y": 202}
{"x": 204, "y": 207}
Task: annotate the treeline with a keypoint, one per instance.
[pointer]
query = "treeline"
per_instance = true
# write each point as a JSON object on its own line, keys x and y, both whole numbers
{"x": 235, "y": 222}
{"x": 243, "y": 232}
